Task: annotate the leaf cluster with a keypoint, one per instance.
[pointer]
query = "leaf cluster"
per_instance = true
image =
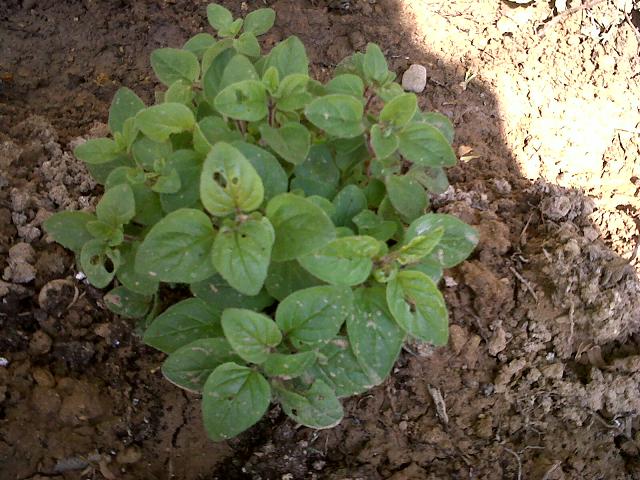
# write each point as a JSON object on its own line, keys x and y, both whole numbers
{"x": 294, "y": 211}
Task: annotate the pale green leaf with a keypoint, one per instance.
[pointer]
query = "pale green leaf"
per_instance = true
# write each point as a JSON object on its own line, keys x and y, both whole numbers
{"x": 252, "y": 335}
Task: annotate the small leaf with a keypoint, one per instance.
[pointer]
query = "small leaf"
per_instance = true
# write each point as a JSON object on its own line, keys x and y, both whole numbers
{"x": 369, "y": 223}
{"x": 179, "y": 92}
{"x": 219, "y": 17}
{"x": 271, "y": 80}
{"x": 234, "y": 398}
{"x": 259, "y": 21}
{"x": 199, "y": 43}
{"x": 338, "y": 115}
{"x": 424, "y": 144}
{"x": 292, "y": 94}
{"x": 338, "y": 367}
{"x": 246, "y": 100}
{"x": 69, "y": 229}
{"x": 375, "y": 65}
{"x": 177, "y": 248}
{"x": 344, "y": 261}
{"x": 126, "y": 303}
{"x": 228, "y": 182}
{"x": 125, "y": 105}
{"x": 129, "y": 277}
{"x": 418, "y": 307}
{"x": 348, "y": 202}
{"x": 314, "y": 316}
{"x": 406, "y": 195}
{"x": 168, "y": 182}
{"x": 252, "y": 335}
{"x": 247, "y": 44}
{"x": 217, "y": 293}
{"x": 288, "y": 366}
{"x": 301, "y": 227}
{"x": 99, "y": 262}
{"x": 288, "y": 56}
{"x": 172, "y": 64}
{"x": 160, "y": 121}
{"x": 399, "y": 111}
{"x": 291, "y": 141}
{"x": 147, "y": 152}
{"x": 232, "y": 30}
{"x": 375, "y": 337}
{"x": 98, "y": 151}
{"x": 117, "y": 206}
{"x": 241, "y": 254}
{"x": 318, "y": 407}
{"x": 190, "y": 366}
{"x": 284, "y": 278}
{"x": 419, "y": 247}
{"x": 347, "y": 84}
{"x": 383, "y": 144}
{"x": 147, "y": 204}
{"x": 274, "y": 178}
{"x": 458, "y": 239}
{"x": 182, "y": 323}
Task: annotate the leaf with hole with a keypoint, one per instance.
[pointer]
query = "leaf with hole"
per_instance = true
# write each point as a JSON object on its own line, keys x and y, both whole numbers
{"x": 99, "y": 262}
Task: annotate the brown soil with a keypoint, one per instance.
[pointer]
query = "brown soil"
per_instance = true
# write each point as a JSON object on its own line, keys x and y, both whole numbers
{"x": 541, "y": 377}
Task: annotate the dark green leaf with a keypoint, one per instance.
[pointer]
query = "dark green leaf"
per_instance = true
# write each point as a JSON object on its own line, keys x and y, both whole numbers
{"x": 369, "y": 223}
{"x": 147, "y": 152}
{"x": 318, "y": 407}
{"x": 147, "y": 204}
{"x": 274, "y": 178}
{"x": 213, "y": 74}
{"x": 129, "y": 277}
{"x": 188, "y": 164}
{"x": 69, "y": 229}
{"x": 252, "y": 335}
{"x": 384, "y": 144}
{"x": 126, "y": 303}
{"x": 407, "y": 196}
{"x": 125, "y": 105}
{"x": 99, "y": 262}
{"x": 216, "y": 292}
{"x": 284, "y": 278}
{"x": 117, "y": 206}
{"x": 338, "y": 367}
{"x": 288, "y": 366}
{"x": 291, "y": 141}
{"x": 211, "y": 130}
{"x": 318, "y": 174}
{"x": 349, "y": 202}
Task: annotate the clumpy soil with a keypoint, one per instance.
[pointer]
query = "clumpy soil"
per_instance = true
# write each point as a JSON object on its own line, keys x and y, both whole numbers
{"x": 541, "y": 378}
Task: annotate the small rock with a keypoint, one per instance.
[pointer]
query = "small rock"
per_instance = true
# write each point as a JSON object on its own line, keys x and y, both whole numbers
{"x": 129, "y": 455}
{"x": 498, "y": 342}
{"x": 415, "y": 78}
{"x": 556, "y": 208}
{"x": 20, "y": 270}
{"x": 43, "y": 377}
{"x": 40, "y": 343}
{"x": 457, "y": 338}
{"x": 484, "y": 427}
{"x": 20, "y": 200}
{"x": 56, "y": 295}
{"x": 555, "y": 370}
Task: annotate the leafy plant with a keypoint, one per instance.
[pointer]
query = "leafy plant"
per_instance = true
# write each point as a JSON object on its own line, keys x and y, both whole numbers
{"x": 293, "y": 210}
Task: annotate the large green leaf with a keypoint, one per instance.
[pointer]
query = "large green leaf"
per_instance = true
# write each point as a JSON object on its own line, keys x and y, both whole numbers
{"x": 419, "y": 247}
{"x": 182, "y": 323}
{"x": 238, "y": 69}
{"x": 347, "y": 84}
{"x": 284, "y": 278}
{"x": 147, "y": 153}
{"x": 252, "y": 335}
{"x": 117, "y": 206}
{"x": 376, "y": 339}
{"x": 241, "y": 254}
{"x": 190, "y": 365}
{"x": 301, "y": 227}
{"x": 173, "y": 64}
{"x": 125, "y": 105}
{"x": 147, "y": 203}
{"x": 344, "y": 261}
{"x": 219, "y": 17}
{"x": 292, "y": 94}
{"x": 399, "y": 111}
{"x": 418, "y": 307}
{"x": 337, "y": 114}
{"x": 457, "y": 242}
{"x": 246, "y": 100}
{"x": 291, "y": 141}
{"x": 369, "y": 223}
{"x": 259, "y": 21}
{"x": 424, "y": 144}
{"x": 69, "y": 229}
{"x": 129, "y": 277}
{"x": 178, "y": 247}
{"x": 375, "y": 65}
{"x": 313, "y": 316}
{"x": 199, "y": 43}
{"x": 160, "y": 121}
{"x": 220, "y": 295}
{"x": 338, "y": 367}
{"x": 214, "y": 62}
{"x": 288, "y": 366}
{"x": 211, "y": 130}
{"x": 228, "y": 182}
{"x": 318, "y": 407}
{"x": 406, "y": 195}
{"x": 440, "y": 121}
{"x": 288, "y": 57}
{"x": 384, "y": 143}
{"x": 98, "y": 151}
{"x": 234, "y": 398}
{"x": 350, "y": 201}
{"x": 99, "y": 262}
{"x": 274, "y": 178}
{"x": 247, "y": 44}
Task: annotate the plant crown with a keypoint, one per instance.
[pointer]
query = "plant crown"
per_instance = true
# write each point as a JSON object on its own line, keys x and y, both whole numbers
{"x": 294, "y": 211}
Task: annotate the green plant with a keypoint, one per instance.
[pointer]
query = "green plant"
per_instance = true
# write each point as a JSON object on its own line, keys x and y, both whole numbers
{"x": 294, "y": 211}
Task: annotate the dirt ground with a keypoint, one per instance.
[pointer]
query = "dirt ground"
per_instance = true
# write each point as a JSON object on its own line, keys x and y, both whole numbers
{"x": 541, "y": 379}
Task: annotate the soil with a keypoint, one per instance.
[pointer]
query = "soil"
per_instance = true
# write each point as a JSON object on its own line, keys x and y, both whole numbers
{"x": 541, "y": 377}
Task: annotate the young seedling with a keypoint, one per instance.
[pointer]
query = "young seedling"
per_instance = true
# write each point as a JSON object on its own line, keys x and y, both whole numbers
{"x": 294, "y": 211}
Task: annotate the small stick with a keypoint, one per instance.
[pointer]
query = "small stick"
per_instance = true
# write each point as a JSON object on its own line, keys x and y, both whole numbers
{"x": 518, "y": 459}
{"x": 563, "y": 16}
{"x": 553, "y": 468}
{"x": 441, "y": 407}
{"x": 524, "y": 282}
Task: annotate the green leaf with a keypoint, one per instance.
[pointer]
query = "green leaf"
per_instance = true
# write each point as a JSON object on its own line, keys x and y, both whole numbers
{"x": 291, "y": 141}
{"x": 406, "y": 195}
{"x": 211, "y": 130}
{"x": 284, "y": 278}
{"x": 424, "y": 144}
{"x": 182, "y": 323}
{"x": 318, "y": 407}
{"x": 384, "y": 144}
{"x": 259, "y": 21}
{"x": 252, "y": 335}
{"x": 100, "y": 172}
{"x": 369, "y": 223}
{"x": 147, "y": 153}
{"x": 160, "y": 121}
{"x": 179, "y": 92}
{"x": 188, "y": 165}
{"x": 126, "y": 303}
{"x": 199, "y": 43}
{"x": 147, "y": 203}
{"x": 348, "y": 202}
{"x": 292, "y": 94}
{"x": 318, "y": 174}
{"x": 375, "y": 337}
{"x": 301, "y": 227}
{"x": 338, "y": 367}
{"x": 241, "y": 254}
{"x": 234, "y": 398}
{"x": 288, "y": 366}
{"x": 433, "y": 179}
{"x": 274, "y": 178}
{"x": 313, "y": 316}
{"x": 168, "y": 182}
{"x": 125, "y": 105}
{"x": 213, "y": 74}
{"x": 419, "y": 247}
{"x": 247, "y": 44}
{"x": 177, "y": 248}
{"x": 69, "y": 229}
{"x": 430, "y": 267}
{"x": 117, "y": 206}
{"x": 326, "y": 206}
{"x": 346, "y": 84}
{"x": 375, "y": 65}
{"x": 219, "y": 17}
{"x": 390, "y": 91}
{"x": 190, "y": 366}
{"x": 338, "y": 115}
{"x": 237, "y": 70}
{"x": 246, "y": 100}
{"x": 458, "y": 240}
{"x": 129, "y": 277}
{"x": 344, "y": 261}
{"x": 173, "y": 64}
{"x": 232, "y": 30}
{"x": 399, "y": 111}
{"x": 217, "y": 293}
{"x": 228, "y": 182}
{"x": 418, "y": 307}
{"x": 288, "y": 56}
{"x": 98, "y": 151}
{"x": 99, "y": 262}
{"x": 113, "y": 235}
{"x": 441, "y": 122}
{"x": 271, "y": 80}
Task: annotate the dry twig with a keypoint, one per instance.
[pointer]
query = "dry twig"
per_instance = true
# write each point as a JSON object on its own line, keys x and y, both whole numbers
{"x": 566, "y": 14}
